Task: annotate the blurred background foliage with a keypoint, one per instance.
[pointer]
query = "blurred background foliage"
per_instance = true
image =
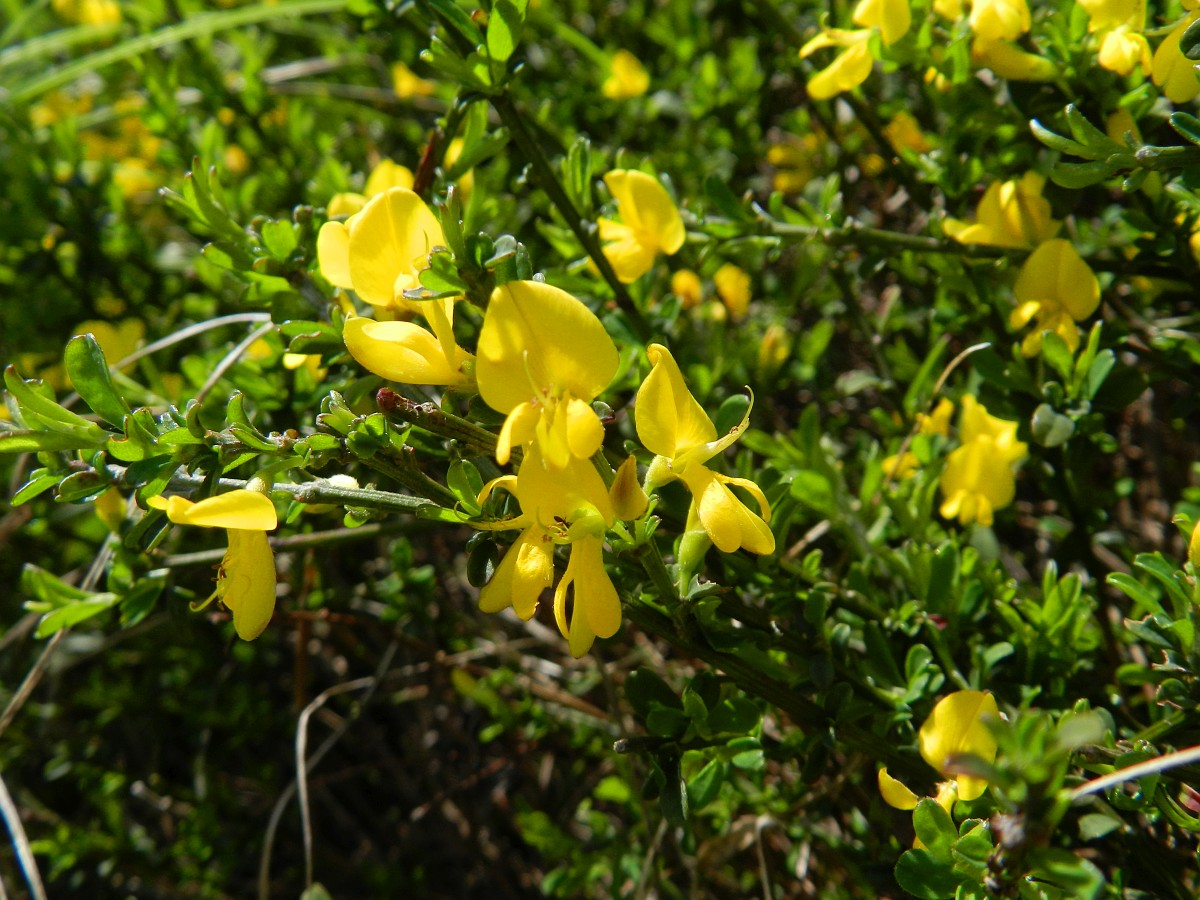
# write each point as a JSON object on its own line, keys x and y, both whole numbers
{"x": 466, "y": 755}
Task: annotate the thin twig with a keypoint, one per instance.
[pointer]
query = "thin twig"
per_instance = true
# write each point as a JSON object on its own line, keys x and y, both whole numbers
{"x": 231, "y": 359}
{"x": 1132, "y": 773}
{"x": 12, "y": 818}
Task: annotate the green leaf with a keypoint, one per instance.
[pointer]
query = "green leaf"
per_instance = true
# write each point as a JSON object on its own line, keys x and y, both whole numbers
{"x": 923, "y": 876}
{"x": 1057, "y": 141}
{"x": 77, "y": 612}
{"x": 1081, "y": 175}
{"x": 1058, "y": 355}
{"x": 1186, "y": 124}
{"x": 25, "y": 441}
{"x": 706, "y": 784}
{"x": 935, "y": 829}
{"x": 90, "y": 376}
{"x": 1050, "y": 428}
{"x": 279, "y": 237}
{"x": 645, "y": 692}
{"x": 1144, "y": 598}
{"x": 723, "y": 200}
{"x": 40, "y": 480}
{"x": 36, "y": 399}
{"x": 504, "y": 29}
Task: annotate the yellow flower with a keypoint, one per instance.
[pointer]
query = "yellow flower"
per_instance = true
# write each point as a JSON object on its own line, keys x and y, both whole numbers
{"x": 88, "y": 12}
{"x": 998, "y": 20}
{"x": 685, "y": 284}
{"x": 1057, "y": 288}
{"x": 1171, "y": 70}
{"x": 903, "y": 133}
{"x": 543, "y": 358}
{"x": 407, "y": 84}
{"x": 246, "y": 580}
{"x": 380, "y": 251}
{"x": 117, "y": 339}
{"x": 938, "y": 421}
{"x": 568, "y": 505}
{"x": 733, "y": 287}
{"x": 1011, "y": 214}
{"x": 892, "y": 17}
{"x": 406, "y": 352}
{"x": 1119, "y": 23}
{"x": 650, "y": 224}
{"x": 671, "y": 424}
{"x": 849, "y": 68}
{"x": 627, "y": 77}
{"x": 956, "y": 726}
{"x": 980, "y": 477}
{"x": 899, "y": 466}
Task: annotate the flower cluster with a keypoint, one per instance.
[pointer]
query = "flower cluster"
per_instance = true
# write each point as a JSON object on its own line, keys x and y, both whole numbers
{"x": 541, "y": 359}
{"x": 1055, "y": 288}
{"x": 890, "y": 19}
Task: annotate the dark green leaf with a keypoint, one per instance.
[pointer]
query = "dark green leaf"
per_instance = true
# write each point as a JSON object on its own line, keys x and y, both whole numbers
{"x": 89, "y": 374}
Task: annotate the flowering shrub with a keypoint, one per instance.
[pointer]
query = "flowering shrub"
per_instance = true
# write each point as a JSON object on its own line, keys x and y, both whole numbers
{"x": 649, "y": 442}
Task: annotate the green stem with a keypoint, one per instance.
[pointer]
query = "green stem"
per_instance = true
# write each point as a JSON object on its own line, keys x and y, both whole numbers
{"x": 284, "y": 544}
{"x": 309, "y": 492}
{"x": 436, "y": 421}
{"x": 585, "y": 232}
{"x": 401, "y": 466}
{"x": 651, "y": 559}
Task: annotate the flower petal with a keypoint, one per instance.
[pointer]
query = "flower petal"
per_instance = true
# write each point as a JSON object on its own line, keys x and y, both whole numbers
{"x": 668, "y": 418}
{"x": 646, "y": 207}
{"x": 403, "y": 352}
{"x": 539, "y": 340}
{"x": 246, "y": 583}
{"x": 955, "y": 726}
{"x": 390, "y": 241}
{"x": 241, "y": 509}
{"x": 896, "y": 793}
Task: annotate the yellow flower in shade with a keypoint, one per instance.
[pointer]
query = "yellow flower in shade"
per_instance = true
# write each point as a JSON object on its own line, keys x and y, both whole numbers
{"x": 685, "y": 284}
{"x": 543, "y": 358}
{"x": 1171, "y": 70}
{"x": 1057, "y": 288}
{"x": 980, "y": 476}
{"x": 892, "y": 17}
{"x": 650, "y": 224}
{"x": 568, "y": 505}
{"x": 733, "y": 287}
{"x": 998, "y": 20}
{"x": 1009, "y": 61}
{"x": 408, "y": 353}
{"x": 116, "y": 339}
{"x": 380, "y": 251}
{"x": 627, "y": 77}
{"x": 903, "y": 133}
{"x": 671, "y": 424}
{"x": 407, "y": 84}
{"x": 957, "y": 726}
{"x": 849, "y": 68}
{"x": 1011, "y": 214}
{"x": 246, "y": 580}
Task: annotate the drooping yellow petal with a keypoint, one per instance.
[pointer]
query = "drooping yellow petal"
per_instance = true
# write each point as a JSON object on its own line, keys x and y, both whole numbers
{"x": 892, "y": 17}
{"x": 596, "y": 608}
{"x": 538, "y": 340}
{"x": 727, "y": 521}
{"x": 403, "y": 352}
{"x": 390, "y": 241}
{"x": 241, "y": 509}
{"x": 849, "y": 69}
{"x": 957, "y": 725}
{"x": 668, "y": 418}
{"x": 896, "y": 793}
{"x": 526, "y": 570}
{"x": 628, "y": 499}
{"x": 246, "y": 583}
{"x": 628, "y": 256}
